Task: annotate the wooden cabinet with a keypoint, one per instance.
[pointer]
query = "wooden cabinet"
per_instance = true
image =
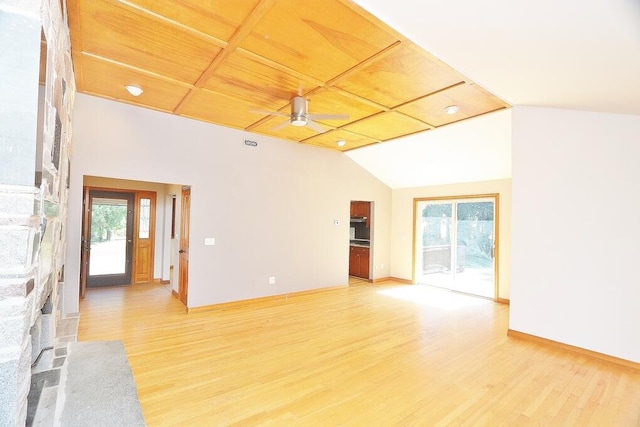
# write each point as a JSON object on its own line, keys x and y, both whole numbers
{"x": 360, "y": 209}
{"x": 359, "y": 261}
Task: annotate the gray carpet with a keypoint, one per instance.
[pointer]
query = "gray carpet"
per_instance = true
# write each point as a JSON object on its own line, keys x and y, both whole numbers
{"x": 98, "y": 388}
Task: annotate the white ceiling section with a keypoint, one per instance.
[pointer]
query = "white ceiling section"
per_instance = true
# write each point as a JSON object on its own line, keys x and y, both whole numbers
{"x": 582, "y": 55}
{"x": 476, "y": 149}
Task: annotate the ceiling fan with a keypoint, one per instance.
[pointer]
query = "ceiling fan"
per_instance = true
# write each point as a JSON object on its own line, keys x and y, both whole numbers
{"x": 300, "y": 115}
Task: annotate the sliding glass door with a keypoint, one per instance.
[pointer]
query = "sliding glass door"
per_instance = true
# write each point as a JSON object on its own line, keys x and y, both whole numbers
{"x": 455, "y": 244}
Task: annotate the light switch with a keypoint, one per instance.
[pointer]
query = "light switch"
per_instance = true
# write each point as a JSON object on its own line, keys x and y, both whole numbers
{"x": 209, "y": 241}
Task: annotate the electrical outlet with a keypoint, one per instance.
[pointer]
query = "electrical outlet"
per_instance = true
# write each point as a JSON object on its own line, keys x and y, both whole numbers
{"x": 272, "y": 280}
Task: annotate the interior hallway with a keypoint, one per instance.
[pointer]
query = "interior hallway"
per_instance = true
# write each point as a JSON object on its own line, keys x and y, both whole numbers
{"x": 370, "y": 355}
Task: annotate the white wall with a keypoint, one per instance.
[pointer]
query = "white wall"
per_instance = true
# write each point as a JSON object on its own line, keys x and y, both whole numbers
{"x": 471, "y": 150}
{"x": 575, "y": 229}
{"x": 402, "y": 224}
{"x": 270, "y": 208}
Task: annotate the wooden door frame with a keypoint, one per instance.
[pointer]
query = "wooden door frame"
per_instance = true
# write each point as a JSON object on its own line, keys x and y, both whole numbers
{"x": 84, "y": 243}
{"x": 183, "y": 245}
{"x": 85, "y": 228}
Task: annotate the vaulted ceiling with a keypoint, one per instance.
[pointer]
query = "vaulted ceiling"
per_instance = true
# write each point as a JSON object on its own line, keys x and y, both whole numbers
{"x": 228, "y": 62}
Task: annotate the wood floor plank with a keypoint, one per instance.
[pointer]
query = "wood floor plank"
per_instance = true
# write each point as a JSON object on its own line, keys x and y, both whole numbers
{"x": 384, "y": 354}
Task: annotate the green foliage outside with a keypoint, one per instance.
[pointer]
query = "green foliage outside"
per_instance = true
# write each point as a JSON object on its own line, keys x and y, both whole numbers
{"x": 107, "y": 221}
{"x": 477, "y": 211}
{"x": 475, "y": 223}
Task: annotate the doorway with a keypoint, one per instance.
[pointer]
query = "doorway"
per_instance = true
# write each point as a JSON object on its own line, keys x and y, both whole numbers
{"x": 455, "y": 244}
{"x": 118, "y": 235}
{"x": 107, "y": 242}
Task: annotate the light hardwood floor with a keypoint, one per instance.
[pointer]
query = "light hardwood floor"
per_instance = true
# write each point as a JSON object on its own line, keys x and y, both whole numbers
{"x": 369, "y": 355}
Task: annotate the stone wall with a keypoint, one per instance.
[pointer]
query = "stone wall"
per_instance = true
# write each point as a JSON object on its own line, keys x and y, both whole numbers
{"x": 34, "y": 165}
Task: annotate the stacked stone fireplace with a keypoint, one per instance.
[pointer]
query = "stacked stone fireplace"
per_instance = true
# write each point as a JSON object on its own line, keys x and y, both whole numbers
{"x": 36, "y": 98}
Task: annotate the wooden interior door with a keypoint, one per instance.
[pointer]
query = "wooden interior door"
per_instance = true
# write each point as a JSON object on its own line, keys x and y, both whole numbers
{"x": 183, "y": 268}
{"x": 144, "y": 240}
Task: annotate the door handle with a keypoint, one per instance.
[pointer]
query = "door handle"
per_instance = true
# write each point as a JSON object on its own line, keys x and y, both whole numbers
{"x": 181, "y": 251}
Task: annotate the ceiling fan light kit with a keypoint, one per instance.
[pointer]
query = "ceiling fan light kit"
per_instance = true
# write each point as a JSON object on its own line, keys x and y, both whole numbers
{"x": 298, "y": 120}
{"x": 301, "y": 117}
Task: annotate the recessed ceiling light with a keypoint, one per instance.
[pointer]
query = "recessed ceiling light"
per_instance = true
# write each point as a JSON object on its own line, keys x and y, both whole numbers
{"x": 451, "y": 109}
{"x": 341, "y": 143}
{"x": 134, "y": 90}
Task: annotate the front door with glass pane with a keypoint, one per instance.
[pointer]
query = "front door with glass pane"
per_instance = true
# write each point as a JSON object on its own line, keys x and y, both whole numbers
{"x": 468, "y": 265}
{"x": 110, "y": 238}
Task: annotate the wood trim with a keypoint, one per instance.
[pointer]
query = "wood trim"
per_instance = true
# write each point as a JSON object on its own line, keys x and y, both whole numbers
{"x": 175, "y": 294}
{"x": 374, "y": 58}
{"x": 261, "y": 300}
{"x": 86, "y": 234}
{"x": 362, "y": 279}
{"x": 113, "y": 189}
{"x": 138, "y": 70}
{"x": 382, "y": 108}
{"x": 165, "y": 282}
{"x": 73, "y": 16}
{"x": 503, "y": 300}
{"x": 496, "y": 246}
{"x": 144, "y": 12}
{"x": 573, "y": 349}
{"x": 184, "y": 101}
{"x": 396, "y": 107}
{"x": 241, "y": 33}
{"x": 375, "y": 21}
{"x": 280, "y": 67}
{"x": 392, "y": 279}
{"x": 457, "y": 197}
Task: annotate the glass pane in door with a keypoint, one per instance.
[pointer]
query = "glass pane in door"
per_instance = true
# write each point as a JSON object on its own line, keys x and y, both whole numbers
{"x": 108, "y": 237}
{"x": 475, "y": 248}
{"x": 145, "y": 211}
{"x": 434, "y": 244}
{"x": 111, "y": 227}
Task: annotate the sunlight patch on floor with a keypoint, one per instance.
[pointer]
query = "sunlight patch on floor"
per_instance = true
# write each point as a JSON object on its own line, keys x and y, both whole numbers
{"x": 433, "y": 297}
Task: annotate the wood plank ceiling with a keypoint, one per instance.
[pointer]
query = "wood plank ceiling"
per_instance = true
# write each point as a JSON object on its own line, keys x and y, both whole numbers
{"x": 221, "y": 60}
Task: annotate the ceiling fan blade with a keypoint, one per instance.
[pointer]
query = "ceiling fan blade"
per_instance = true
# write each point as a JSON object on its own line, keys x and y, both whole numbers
{"x": 315, "y": 126}
{"x": 270, "y": 113}
{"x": 282, "y": 125}
{"x": 328, "y": 116}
